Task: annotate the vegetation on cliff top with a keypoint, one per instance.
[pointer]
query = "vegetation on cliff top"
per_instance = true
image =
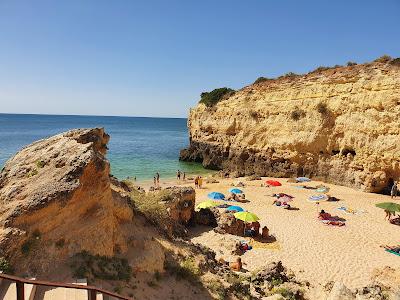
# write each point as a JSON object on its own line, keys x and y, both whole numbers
{"x": 382, "y": 59}
{"x": 213, "y": 97}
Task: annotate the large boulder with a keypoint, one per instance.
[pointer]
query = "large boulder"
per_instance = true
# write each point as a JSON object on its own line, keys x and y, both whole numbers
{"x": 180, "y": 204}
{"x": 227, "y": 223}
{"x": 56, "y": 199}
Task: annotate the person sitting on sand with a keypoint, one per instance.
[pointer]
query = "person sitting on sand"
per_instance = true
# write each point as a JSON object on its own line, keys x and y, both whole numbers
{"x": 265, "y": 233}
{"x": 324, "y": 215}
{"x": 255, "y": 228}
{"x": 233, "y": 197}
{"x": 236, "y": 265}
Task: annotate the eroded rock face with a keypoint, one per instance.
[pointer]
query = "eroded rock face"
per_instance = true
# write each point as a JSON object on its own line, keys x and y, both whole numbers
{"x": 341, "y": 125}
{"x": 57, "y": 193}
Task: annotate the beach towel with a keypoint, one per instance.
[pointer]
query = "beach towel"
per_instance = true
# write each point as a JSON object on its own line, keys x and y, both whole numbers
{"x": 269, "y": 246}
{"x": 333, "y": 223}
{"x": 351, "y": 211}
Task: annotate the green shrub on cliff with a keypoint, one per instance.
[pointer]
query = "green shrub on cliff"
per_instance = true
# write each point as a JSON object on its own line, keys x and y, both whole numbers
{"x": 383, "y": 59}
{"x": 261, "y": 79}
{"x": 5, "y": 266}
{"x": 213, "y": 97}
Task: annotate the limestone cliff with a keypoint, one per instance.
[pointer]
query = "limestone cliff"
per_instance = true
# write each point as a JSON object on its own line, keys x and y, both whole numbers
{"x": 57, "y": 192}
{"x": 340, "y": 124}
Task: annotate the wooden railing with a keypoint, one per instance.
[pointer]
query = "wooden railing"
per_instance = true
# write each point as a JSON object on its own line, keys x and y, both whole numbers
{"x": 92, "y": 290}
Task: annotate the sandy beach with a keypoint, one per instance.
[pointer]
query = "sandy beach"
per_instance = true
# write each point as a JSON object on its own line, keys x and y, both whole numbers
{"x": 315, "y": 252}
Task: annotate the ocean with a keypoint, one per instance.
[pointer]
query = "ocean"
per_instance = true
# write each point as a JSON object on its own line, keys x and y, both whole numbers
{"x": 138, "y": 146}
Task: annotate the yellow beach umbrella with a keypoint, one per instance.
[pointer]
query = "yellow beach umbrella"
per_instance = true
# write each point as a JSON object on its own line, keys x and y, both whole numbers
{"x": 206, "y": 204}
{"x": 246, "y": 216}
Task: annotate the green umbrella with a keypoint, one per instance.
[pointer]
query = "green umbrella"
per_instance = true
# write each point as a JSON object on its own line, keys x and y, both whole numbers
{"x": 206, "y": 204}
{"x": 389, "y": 206}
{"x": 246, "y": 216}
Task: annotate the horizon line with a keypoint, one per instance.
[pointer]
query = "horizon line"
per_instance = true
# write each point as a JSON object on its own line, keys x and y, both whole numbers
{"x": 82, "y": 115}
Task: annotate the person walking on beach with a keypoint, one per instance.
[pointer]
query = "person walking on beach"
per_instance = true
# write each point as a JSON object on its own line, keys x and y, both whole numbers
{"x": 178, "y": 175}
{"x": 196, "y": 182}
{"x": 393, "y": 192}
{"x": 184, "y": 176}
{"x": 155, "y": 181}
{"x": 200, "y": 182}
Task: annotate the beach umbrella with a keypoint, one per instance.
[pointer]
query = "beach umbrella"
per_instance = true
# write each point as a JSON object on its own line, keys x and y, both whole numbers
{"x": 235, "y": 191}
{"x": 246, "y": 216}
{"x": 303, "y": 179}
{"x": 389, "y": 206}
{"x": 216, "y": 196}
{"x": 322, "y": 189}
{"x": 234, "y": 208}
{"x": 318, "y": 198}
{"x": 273, "y": 182}
{"x": 206, "y": 204}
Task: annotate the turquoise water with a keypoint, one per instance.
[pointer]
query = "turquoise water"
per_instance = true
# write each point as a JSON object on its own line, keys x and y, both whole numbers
{"x": 138, "y": 146}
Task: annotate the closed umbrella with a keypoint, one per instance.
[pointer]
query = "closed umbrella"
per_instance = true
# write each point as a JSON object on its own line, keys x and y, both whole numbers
{"x": 206, "y": 204}
{"x": 216, "y": 196}
{"x": 234, "y": 208}
{"x": 235, "y": 191}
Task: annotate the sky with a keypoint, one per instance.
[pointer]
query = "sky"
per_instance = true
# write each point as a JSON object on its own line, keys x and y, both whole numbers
{"x": 154, "y": 58}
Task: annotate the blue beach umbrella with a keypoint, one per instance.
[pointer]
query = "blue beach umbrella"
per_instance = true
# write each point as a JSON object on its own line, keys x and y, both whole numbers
{"x": 216, "y": 196}
{"x": 235, "y": 191}
{"x": 303, "y": 179}
{"x": 234, "y": 208}
{"x": 318, "y": 198}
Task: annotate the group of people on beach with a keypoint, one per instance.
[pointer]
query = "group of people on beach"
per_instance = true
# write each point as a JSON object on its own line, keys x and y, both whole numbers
{"x": 156, "y": 180}
{"x": 180, "y": 175}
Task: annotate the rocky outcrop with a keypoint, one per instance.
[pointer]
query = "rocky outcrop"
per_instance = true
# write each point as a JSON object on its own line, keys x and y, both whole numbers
{"x": 56, "y": 199}
{"x": 227, "y": 223}
{"x": 180, "y": 204}
{"x": 340, "y": 125}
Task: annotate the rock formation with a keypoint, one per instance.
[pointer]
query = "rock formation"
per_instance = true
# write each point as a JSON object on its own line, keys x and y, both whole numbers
{"x": 180, "y": 204}
{"x": 57, "y": 193}
{"x": 338, "y": 124}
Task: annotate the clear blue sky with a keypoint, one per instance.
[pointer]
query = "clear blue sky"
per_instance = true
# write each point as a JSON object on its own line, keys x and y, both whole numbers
{"x": 154, "y": 58}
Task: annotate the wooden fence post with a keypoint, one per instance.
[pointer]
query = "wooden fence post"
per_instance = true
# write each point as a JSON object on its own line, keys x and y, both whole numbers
{"x": 20, "y": 291}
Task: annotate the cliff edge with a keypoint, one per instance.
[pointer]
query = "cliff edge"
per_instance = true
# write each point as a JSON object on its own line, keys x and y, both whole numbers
{"x": 339, "y": 124}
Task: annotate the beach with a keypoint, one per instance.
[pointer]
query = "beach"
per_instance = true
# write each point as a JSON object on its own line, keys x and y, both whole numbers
{"x": 315, "y": 252}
